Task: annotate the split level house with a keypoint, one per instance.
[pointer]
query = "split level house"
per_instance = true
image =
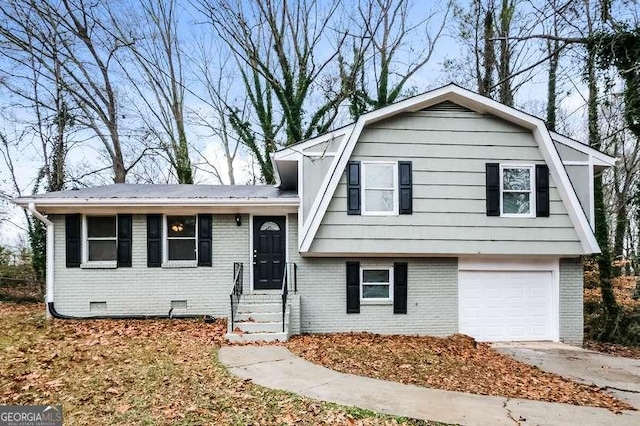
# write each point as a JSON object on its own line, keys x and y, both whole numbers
{"x": 444, "y": 213}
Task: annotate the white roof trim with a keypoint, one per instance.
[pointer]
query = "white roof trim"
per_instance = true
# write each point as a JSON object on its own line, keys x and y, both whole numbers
{"x": 472, "y": 101}
{"x": 276, "y": 173}
{"x": 128, "y": 202}
{"x": 296, "y": 150}
{"x": 600, "y": 158}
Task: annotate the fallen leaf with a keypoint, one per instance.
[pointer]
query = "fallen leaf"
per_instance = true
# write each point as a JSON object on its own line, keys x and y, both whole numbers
{"x": 123, "y": 408}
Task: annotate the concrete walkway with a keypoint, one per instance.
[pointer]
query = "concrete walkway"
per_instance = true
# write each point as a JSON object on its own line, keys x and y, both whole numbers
{"x": 275, "y": 367}
{"x": 619, "y": 375}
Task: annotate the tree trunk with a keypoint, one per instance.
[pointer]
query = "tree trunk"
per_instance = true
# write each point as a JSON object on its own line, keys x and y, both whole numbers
{"x": 119, "y": 171}
{"x": 489, "y": 56}
{"x": 622, "y": 223}
{"x": 610, "y": 305}
{"x": 552, "y": 95}
{"x": 505, "y": 91}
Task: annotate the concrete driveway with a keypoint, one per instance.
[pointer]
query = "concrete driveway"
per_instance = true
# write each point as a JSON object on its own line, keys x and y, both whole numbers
{"x": 619, "y": 376}
{"x": 277, "y": 368}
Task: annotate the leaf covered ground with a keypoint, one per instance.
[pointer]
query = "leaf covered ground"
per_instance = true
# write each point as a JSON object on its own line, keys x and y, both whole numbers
{"x": 454, "y": 363}
{"x": 613, "y": 349}
{"x": 623, "y": 287}
{"x": 143, "y": 372}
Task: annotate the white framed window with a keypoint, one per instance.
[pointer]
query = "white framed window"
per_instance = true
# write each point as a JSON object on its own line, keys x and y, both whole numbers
{"x": 376, "y": 285}
{"x": 101, "y": 239}
{"x": 180, "y": 240}
{"x": 379, "y": 188}
{"x": 517, "y": 196}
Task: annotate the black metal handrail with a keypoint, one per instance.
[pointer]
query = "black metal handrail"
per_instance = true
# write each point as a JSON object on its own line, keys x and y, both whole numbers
{"x": 285, "y": 287}
{"x": 236, "y": 292}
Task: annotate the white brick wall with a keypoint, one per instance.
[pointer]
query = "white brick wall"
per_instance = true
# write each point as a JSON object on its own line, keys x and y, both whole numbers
{"x": 432, "y": 287}
{"x": 432, "y": 295}
{"x": 571, "y": 301}
{"x": 149, "y": 291}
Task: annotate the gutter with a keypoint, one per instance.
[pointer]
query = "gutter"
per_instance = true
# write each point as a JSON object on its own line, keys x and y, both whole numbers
{"x": 275, "y": 202}
{"x": 55, "y": 314}
{"x": 49, "y": 255}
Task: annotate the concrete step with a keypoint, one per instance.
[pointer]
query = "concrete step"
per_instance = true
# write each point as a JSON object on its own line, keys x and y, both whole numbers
{"x": 256, "y": 337}
{"x": 258, "y": 316}
{"x": 259, "y": 307}
{"x": 261, "y": 298}
{"x": 259, "y": 327}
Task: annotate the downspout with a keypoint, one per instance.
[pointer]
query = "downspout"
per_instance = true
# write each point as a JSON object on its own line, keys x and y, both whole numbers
{"x": 50, "y": 251}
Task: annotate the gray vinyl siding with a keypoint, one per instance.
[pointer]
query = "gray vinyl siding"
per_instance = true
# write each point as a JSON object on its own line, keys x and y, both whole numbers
{"x": 569, "y": 154}
{"x": 571, "y": 301}
{"x": 330, "y": 146}
{"x": 140, "y": 290}
{"x": 315, "y": 169}
{"x": 432, "y": 295}
{"x": 579, "y": 177}
{"x": 449, "y": 151}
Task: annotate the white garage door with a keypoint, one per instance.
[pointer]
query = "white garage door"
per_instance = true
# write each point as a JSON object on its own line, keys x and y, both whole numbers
{"x": 506, "y": 305}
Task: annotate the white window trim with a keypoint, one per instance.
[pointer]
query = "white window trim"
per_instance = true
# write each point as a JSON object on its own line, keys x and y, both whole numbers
{"x": 532, "y": 190}
{"x": 364, "y": 211}
{"x": 166, "y": 263}
{"x": 376, "y": 301}
{"x": 97, "y": 264}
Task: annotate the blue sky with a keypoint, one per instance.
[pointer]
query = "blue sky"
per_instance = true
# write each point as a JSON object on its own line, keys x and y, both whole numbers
{"x": 531, "y": 97}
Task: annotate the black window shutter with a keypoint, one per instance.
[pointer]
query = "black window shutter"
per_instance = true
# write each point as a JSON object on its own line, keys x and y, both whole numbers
{"x": 405, "y": 187}
{"x": 353, "y": 188}
{"x": 125, "y": 230}
{"x": 353, "y": 287}
{"x": 204, "y": 240}
{"x": 400, "y": 288}
{"x": 493, "y": 189}
{"x": 154, "y": 240}
{"x": 73, "y": 240}
{"x": 542, "y": 190}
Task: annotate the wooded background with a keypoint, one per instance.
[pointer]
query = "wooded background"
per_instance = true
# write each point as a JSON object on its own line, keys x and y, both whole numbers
{"x": 188, "y": 91}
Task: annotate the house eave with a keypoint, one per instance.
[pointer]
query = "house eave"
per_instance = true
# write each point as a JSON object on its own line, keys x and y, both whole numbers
{"x": 599, "y": 158}
{"x": 133, "y": 205}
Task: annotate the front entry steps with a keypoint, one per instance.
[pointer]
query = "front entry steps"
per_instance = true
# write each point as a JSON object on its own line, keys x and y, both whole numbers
{"x": 258, "y": 318}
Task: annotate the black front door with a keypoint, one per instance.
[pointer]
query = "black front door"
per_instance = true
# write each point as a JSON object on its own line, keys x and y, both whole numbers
{"x": 268, "y": 252}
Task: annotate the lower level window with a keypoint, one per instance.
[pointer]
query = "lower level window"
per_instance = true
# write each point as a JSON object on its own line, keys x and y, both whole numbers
{"x": 101, "y": 238}
{"x": 181, "y": 238}
{"x": 376, "y": 284}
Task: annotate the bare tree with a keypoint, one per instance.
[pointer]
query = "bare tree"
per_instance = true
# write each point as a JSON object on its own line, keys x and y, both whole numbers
{"x": 553, "y": 49}
{"x": 279, "y": 47}
{"x": 85, "y": 49}
{"x": 390, "y": 49}
{"x": 622, "y": 186}
{"x": 158, "y": 79}
{"x": 496, "y": 59}
{"x": 217, "y": 79}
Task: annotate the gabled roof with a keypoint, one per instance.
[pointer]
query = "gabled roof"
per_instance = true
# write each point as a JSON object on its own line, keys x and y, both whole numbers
{"x": 472, "y": 101}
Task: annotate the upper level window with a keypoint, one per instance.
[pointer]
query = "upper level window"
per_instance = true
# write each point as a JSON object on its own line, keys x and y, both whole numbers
{"x": 181, "y": 238}
{"x": 517, "y": 196}
{"x": 101, "y": 238}
{"x": 379, "y": 188}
